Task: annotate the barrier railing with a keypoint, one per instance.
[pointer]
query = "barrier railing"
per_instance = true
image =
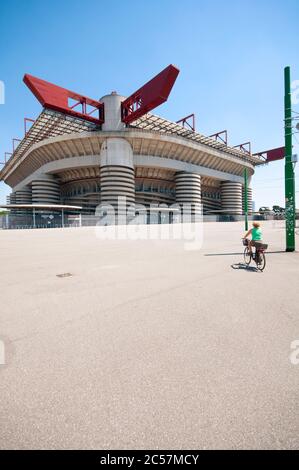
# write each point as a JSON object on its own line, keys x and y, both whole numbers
{"x": 20, "y": 221}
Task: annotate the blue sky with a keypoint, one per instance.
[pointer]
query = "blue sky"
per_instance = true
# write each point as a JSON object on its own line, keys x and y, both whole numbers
{"x": 231, "y": 56}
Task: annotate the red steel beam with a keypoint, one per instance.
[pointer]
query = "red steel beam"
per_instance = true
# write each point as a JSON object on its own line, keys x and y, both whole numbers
{"x": 218, "y": 135}
{"x": 272, "y": 155}
{"x": 150, "y": 95}
{"x": 7, "y": 153}
{"x": 57, "y": 98}
{"x": 185, "y": 122}
{"x": 5, "y": 159}
{"x": 13, "y": 143}
{"x": 25, "y": 123}
{"x": 243, "y": 148}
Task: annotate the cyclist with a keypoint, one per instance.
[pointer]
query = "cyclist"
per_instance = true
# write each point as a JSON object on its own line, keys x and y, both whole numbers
{"x": 256, "y": 235}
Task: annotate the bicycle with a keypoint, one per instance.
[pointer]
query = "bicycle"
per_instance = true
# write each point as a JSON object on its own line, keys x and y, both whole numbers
{"x": 259, "y": 256}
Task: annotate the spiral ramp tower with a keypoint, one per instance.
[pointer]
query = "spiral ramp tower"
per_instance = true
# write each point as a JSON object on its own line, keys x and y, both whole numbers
{"x": 45, "y": 190}
{"x": 249, "y": 200}
{"x": 231, "y": 198}
{"x": 188, "y": 193}
{"x": 117, "y": 176}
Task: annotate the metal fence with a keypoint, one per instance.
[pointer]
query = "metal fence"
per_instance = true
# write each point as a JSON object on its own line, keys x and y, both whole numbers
{"x": 25, "y": 221}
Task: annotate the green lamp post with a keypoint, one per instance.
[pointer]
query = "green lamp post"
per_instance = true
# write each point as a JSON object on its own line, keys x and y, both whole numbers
{"x": 290, "y": 210}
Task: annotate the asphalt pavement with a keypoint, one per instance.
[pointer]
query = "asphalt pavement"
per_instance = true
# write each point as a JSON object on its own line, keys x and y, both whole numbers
{"x": 144, "y": 344}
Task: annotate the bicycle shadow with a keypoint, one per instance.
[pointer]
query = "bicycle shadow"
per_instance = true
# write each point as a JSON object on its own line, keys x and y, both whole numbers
{"x": 244, "y": 266}
{"x": 241, "y": 253}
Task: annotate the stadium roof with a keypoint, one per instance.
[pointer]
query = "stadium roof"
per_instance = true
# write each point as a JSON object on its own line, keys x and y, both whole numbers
{"x": 152, "y": 122}
{"x": 48, "y": 124}
{"x": 52, "y": 123}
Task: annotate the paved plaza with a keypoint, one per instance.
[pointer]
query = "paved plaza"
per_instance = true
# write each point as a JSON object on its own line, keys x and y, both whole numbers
{"x": 142, "y": 344}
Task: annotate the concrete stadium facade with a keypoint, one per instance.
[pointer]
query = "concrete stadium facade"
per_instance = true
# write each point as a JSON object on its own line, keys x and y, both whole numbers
{"x": 145, "y": 162}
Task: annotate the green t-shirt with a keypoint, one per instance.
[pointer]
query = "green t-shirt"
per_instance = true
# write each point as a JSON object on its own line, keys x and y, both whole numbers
{"x": 256, "y": 234}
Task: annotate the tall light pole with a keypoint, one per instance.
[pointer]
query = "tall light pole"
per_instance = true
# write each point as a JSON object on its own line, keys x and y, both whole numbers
{"x": 289, "y": 170}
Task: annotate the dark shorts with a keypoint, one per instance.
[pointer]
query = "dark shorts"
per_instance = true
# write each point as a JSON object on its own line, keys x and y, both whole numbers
{"x": 256, "y": 242}
{"x": 259, "y": 245}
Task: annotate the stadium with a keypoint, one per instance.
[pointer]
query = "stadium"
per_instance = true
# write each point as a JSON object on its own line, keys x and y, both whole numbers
{"x": 82, "y": 152}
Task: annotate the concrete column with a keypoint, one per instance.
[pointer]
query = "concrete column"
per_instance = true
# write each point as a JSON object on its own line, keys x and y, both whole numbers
{"x": 249, "y": 199}
{"x": 231, "y": 197}
{"x": 45, "y": 190}
{"x": 188, "y": 190}
{"x": 12, "y": 198}
{"x": 117, "y": 177}
{"x": 24, "y": 195}
{"x": 113, "y": 120}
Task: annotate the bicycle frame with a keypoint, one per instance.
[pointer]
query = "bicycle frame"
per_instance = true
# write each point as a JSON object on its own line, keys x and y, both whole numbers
{"x": 257, "y": 255}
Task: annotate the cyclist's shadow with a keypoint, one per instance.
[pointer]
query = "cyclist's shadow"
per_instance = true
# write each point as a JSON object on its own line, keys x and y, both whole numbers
{"x": 244, "y": 266}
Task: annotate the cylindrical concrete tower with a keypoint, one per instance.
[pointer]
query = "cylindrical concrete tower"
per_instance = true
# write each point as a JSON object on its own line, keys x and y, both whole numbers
{"x": 188, "y": 191}
{"x": 113, "y": 120}
{"x": 249, "y": 199}
{"x": 12, "y": 198}
{"x": 24, "y": 195}
{"x": 231, "y": 197}
{"x": 117, "y": 177}
{"x": 45, "y": 190}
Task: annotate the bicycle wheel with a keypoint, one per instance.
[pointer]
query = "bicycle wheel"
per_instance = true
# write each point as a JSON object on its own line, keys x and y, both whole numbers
{"x": 261, "y": 261}
{"x": 247, "y": 256}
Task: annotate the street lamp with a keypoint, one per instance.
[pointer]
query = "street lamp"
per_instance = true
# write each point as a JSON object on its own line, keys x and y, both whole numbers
{"x": 289, "y": 168}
